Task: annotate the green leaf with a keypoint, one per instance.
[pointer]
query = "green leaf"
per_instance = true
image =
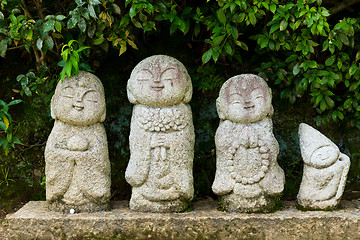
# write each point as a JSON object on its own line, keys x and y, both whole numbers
{"x": 283, "y": 25}
{"x": 252, "y": 18}
{"x": 92, "y": 11}
{"x": 3, "y": 126}
{"x": 122, "y": 49}
{"x": 221, "y": 16}
{"x": 71, "y": 23}
{"x": 39, "y": 44}
{"x": 344, "y": 39}
{"x": 347, "y": 103}
{"x": 20, "y": 77}
{"x": 13, "y": 102}
{"x": 68, "y": 68}
{"x": 75, "y": 65}
{"x": 207, "y": 56}
{"x": 27, "y": 91}
{"x": 228, "y": 48}
{"x": 82, "y": 48}
{"x": 329, "y": 101}
{"x": 325, "y": 45}
{"x": 274, "y": 28}
{"x": 132, "y": 12}
{"x": 49, "y": 25}
{"x": 218, "y": 39}
{"x": 353, "y": 69}
{"x": 82, "y": 25}
{"x": 291, "y": 58}
{"x": 116, "y": 9}
{"x": 49, "y": 42}
{"x": 318, "y": 99}
{"x": 99, "y": 40}
{"x": 3, "y": 48}
{"x": 215, "y": 54}
{"x": 323, "y": 105}
{"x": 242, "y": 45}
{"x": 58, "y": 26}
{"x": 94, "y": 2}
{"x": 85, "y": 66}
{"x": 273, "y": 8}
{"x": 340, "y": 115}
{"x": 296, "y": 69}
{"x": 264, "y": 42}
{"x": 330, "y": 60}
{"x": 60, "y": 17}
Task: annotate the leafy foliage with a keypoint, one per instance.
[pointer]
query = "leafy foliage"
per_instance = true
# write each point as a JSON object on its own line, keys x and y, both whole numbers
{"x": 305, "y": 51}
{"x": 7, "y": 140}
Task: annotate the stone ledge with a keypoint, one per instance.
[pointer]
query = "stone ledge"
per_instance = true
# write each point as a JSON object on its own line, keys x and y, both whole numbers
{"x": 34, "y": 221}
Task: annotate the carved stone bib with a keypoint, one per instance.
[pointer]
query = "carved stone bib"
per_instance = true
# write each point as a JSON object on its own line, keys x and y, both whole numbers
{"x": 162, "y": 119}
{"x": 248, "y": 161}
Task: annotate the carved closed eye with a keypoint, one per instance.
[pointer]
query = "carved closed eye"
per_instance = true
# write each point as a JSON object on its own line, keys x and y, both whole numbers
{"x": 68, "y": 92}
{"x": 236, "y": 98}
{"x": 257, "y": 93}
{"x": 91, "y": 96}
{"x": 144, "y": 75}
{"x": 169, "y": 74}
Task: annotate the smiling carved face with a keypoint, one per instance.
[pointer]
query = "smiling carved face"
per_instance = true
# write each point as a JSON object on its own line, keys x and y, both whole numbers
{"x": 244, "y": 99}
{"x": 79, "y": 100}
{"x": 159, "y": 81}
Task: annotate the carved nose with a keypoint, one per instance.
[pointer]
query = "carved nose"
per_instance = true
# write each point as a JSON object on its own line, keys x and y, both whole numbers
{"x": 156, "y": 80}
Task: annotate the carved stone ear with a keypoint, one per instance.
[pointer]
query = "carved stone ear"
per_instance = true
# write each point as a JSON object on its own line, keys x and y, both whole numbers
{"x": 188, "y": 94}
{"x": 103, "y": 117}
{"x": 52, "y": 108}
{"x": 130, "y": 96}
{"x": 271, "y": 111}
{"x": 219, "y": 108}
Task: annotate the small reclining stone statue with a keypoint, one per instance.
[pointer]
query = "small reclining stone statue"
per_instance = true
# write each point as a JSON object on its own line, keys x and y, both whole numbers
{"x": 248, "y": 177}
{"x": 325, "y": 170}
{"x": 76, "y": 154}
{"x": 161, "y": 137}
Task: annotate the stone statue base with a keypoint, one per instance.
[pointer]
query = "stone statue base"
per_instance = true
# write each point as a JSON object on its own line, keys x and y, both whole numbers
{"x": 144, "y": 205}
{"x": 236, "y": 203}
{"x": 35, "y": 221}
{"x": 87, "y": 207}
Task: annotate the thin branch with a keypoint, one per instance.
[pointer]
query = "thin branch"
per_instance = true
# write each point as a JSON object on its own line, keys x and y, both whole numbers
{"x": 39, "y": 9}
{"x": 12, "y": 48}
{"x": 27, "y": 13}
{"x": 343, "y": 5}
{"x": 31, "y": 146}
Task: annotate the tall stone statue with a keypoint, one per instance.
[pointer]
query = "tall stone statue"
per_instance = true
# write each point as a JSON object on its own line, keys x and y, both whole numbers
{"x": 248, "y": 177}
{"x": 76, "y": 154}
{"x": 161, "y": 137}
{"x": 325, "y": 170}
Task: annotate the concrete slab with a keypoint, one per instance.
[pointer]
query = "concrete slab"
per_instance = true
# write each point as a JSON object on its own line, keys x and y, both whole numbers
{"x": 34, "y": 221}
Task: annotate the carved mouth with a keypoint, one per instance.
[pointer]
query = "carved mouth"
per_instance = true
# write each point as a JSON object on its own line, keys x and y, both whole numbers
{"x": 79, "y": 108}
{"x": 157, "y": 88}
{"x": 249, "y": 107}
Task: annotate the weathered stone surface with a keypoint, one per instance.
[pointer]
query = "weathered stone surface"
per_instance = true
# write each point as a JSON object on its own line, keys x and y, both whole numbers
{"x": 248, "y": 177}
{"x": 161, "y": 137}
{"x": 325, "y": 170}
{"x": 34, "y": 221}
{"x": 76, "y": 154}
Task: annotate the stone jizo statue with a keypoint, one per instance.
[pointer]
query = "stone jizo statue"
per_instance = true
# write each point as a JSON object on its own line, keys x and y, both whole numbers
{"x": 161, "y": 136}
{"x": 76, "y": 154}
{"x": 325, "y": 170}
{"x": 248, "y": 177}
